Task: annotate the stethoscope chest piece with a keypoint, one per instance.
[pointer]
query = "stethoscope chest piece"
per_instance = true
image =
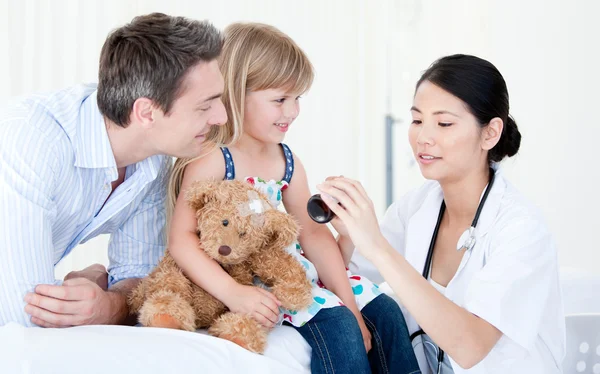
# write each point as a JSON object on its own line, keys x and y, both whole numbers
{"x": 467, "y": 240}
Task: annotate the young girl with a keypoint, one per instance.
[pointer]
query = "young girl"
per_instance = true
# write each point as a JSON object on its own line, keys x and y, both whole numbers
{"x": 265, "y": 73}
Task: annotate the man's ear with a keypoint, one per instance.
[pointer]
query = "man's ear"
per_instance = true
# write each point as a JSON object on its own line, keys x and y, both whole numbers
{"x": 202, "y": 192}
{"x": 143, "y": 112}
{"x": 490, "y": 135}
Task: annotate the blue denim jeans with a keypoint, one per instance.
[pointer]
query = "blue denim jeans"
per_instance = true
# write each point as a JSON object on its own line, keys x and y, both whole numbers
{"x": 337, "y": 343}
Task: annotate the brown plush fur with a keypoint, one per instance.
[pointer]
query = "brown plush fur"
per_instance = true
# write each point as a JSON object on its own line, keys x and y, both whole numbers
{"x": 167, "y": 298}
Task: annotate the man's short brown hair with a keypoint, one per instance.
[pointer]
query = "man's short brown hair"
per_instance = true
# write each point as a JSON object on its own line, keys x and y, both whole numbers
{"x": 150, "y": 57}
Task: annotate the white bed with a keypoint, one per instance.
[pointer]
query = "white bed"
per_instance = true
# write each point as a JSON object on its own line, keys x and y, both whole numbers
{"x": 121, "y": 349}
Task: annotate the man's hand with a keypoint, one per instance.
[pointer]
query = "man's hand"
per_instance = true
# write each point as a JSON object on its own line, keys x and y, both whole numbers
{"x": 79, "y": 301}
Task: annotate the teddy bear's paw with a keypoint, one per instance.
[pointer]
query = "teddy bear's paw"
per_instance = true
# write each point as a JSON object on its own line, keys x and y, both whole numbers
{"x": 136, "y": 298}
{"x": 168, "y": 310}
{"x": 293, "y": 297}
{"x": 165, "y": 321}
{"x": 241, "y": 330}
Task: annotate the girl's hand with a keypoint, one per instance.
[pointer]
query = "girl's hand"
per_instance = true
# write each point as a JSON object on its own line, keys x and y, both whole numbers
{"x": 258, "y": 303}
{"x": 355, "y": 211}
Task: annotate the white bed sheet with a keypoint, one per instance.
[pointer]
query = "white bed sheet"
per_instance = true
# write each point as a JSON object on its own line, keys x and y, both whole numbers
{"x": 121, "y": 349}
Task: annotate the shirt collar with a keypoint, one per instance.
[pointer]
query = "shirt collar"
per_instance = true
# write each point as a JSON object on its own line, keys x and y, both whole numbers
{"x": 92, "y": 146}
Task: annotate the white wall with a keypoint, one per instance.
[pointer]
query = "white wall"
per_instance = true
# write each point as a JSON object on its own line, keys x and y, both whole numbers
{"x": 367, "y": 57}
{"x": 549, "y": 54}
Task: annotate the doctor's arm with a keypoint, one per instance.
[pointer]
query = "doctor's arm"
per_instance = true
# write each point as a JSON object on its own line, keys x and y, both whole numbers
{"x": 466, "y": 337}
{"x": 461, "y": 334}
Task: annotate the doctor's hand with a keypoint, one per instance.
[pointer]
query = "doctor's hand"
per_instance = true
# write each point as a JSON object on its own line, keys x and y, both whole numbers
{"x": 337, "y": 223}
{"x": 355, "y": 211}
{"x": 79, "y": 301}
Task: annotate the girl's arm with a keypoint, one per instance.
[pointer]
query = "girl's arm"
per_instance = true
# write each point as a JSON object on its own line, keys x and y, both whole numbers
{"x": 204, "y": 271}
{"x": 320, "y": 246}
{"x": 345, "y": 244}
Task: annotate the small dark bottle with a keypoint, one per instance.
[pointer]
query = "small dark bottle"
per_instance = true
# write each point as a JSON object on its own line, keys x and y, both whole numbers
{"x": 318, "y": 210}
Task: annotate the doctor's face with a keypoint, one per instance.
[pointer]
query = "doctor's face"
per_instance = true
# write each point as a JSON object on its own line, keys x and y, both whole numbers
{"x": 445, "y": 137}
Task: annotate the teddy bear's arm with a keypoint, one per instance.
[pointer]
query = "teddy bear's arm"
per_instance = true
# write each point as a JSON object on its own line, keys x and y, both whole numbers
{"x": 286, "y": 277}
{"x": 241, "y": 273}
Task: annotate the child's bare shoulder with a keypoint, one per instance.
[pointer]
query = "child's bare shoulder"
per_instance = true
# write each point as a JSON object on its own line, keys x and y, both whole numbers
{"x": 211, "y": 166}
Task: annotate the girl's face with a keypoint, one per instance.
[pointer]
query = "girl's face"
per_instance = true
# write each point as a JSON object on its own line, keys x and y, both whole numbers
{"x": 445, "y": 137}
{"x": 268, "y": 114}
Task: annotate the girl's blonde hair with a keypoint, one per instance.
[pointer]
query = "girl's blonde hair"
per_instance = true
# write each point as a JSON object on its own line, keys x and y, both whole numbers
{"x": 255, "y": 57}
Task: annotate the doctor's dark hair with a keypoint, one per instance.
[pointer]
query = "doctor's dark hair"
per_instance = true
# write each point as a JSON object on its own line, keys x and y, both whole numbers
{"x": 150, "y": 57}
{"x": 482, "y": 88}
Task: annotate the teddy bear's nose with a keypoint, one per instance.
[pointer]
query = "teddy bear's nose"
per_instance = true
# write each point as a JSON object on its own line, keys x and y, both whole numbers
{"x": 224, "y": 250}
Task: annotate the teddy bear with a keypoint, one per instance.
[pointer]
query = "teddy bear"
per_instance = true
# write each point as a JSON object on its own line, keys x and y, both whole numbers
{"x": 241, "y": 231}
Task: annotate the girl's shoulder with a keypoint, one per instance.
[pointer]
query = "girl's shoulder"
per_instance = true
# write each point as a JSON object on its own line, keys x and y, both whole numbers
{"x": 210, "y": 166}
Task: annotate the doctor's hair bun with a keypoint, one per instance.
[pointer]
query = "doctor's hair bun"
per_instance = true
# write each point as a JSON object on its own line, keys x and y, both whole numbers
{"x": 509, "y": 142}
{"x": 482, "y": 88}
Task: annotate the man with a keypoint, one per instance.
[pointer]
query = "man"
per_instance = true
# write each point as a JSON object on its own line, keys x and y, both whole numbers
{"x": 91, "y": 160}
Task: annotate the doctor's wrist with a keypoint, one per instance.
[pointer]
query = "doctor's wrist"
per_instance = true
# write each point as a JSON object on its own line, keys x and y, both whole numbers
{"x": 381, "y": 253}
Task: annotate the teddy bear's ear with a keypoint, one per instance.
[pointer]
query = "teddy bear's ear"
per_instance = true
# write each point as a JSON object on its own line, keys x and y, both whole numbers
{"x": 202, "y": 192}
{"x": 281, "y": 228}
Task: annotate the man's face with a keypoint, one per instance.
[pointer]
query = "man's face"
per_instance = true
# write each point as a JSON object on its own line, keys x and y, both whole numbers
{"x": 182, "y": 132}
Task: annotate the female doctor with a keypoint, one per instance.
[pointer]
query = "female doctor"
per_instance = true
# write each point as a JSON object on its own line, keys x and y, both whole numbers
{"x": 469, "y": 259}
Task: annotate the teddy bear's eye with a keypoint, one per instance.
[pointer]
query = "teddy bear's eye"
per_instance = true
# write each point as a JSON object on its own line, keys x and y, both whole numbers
{"x": 225, "y": 222}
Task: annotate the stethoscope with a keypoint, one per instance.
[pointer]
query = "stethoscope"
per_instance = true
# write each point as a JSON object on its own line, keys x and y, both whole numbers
{"x": 466, "y": 241}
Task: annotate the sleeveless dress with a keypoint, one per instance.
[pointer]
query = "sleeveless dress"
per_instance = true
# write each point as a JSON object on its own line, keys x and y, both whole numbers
{"x": 364, "y": 290}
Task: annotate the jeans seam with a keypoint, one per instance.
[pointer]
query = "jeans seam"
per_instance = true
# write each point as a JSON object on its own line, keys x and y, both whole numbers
{"x": 379, "y": 343}
{"x": 326, "y": 350}
{"x": 310, "y": 327}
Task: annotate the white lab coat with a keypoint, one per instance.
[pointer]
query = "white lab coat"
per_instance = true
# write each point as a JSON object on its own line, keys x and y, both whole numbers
{"x": 510, "y": 278}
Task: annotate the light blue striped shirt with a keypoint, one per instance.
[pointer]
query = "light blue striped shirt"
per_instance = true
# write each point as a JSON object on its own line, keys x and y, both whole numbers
{"x": 56, "y": 169}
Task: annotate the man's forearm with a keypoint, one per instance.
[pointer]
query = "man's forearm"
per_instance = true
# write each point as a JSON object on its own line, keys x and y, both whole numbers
{"x": 118, "y": 294}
